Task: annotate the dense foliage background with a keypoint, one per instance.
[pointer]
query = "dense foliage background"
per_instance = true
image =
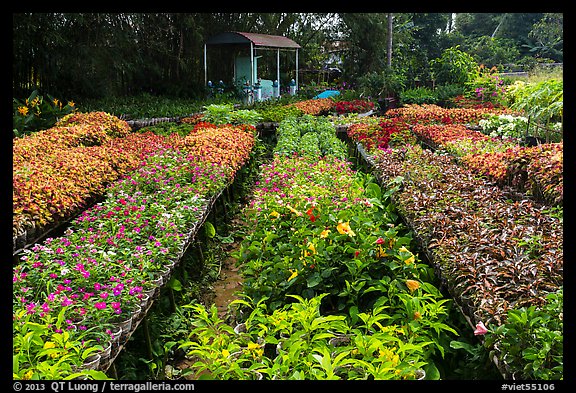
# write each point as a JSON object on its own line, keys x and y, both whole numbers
{"x": 78, "y": 56}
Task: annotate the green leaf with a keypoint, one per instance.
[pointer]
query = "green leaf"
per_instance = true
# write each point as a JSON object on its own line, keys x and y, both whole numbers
{"x": 209, "y": 229}
{"x": 313, "y": 280}
{"x": 175, "y": 284}
{"x": 432, "y": 372}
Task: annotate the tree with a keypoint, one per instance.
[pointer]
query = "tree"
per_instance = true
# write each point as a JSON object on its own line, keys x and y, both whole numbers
{"x": 546, "y": 37}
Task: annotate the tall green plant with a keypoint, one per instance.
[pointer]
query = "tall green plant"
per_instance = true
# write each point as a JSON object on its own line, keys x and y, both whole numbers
{"x": 543, "y": 101}
{"x": 454, "y": 66}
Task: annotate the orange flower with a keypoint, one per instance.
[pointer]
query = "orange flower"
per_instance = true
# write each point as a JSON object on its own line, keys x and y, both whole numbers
{"x": 412, "y": 285}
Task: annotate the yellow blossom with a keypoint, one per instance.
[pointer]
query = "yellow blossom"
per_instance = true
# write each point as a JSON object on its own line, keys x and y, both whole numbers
{"x": 71, "y": 103}
{"x": 312, "y": 248}
{"x": 225, "y": 353}
{"x": 403, "y": 249}
{"x": 49, "y": 345}
{"x": 325, "y": 233}
{"x": 23, "y": 110}
{"x": 409, "y": 260}
{"x": 29, "y": 374}
{"x": 294, "y": 274}
{"x": 381, "y": 253}
{"x": 255, "y": 349}
{"x": 252, "y": 346}
{"x": 412, "y": 285}
{"x": 344, "y": 229}
{"x": 274, "y": 215}
{"x": 298, "y": 213}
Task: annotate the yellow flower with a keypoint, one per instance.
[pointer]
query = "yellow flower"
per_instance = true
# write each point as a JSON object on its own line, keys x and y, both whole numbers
{"x": 294, "y": 274}
{"x": 28, "y": 374}
{"x": 412, "y": 285}
{"x": 55, "y": 101}
{"x": 312, "y": 248}
{"x": 298, "y": 213}
{"x": 225, "y": 353}
{"x": 344, "y": 229}
{"x": 252, "y": 346}
{"x": 71, "y": 103}
{"x": 49, "y": 345}
{"x": 324, "y": 233}
{"x": 381, "y": 253}
{"x": 23, "y": 110}
{"x": 274, "y": 215}
{"x": 403, "y": 249}
{"x": 255, "y": 349}
{"x": 409, "y": 260}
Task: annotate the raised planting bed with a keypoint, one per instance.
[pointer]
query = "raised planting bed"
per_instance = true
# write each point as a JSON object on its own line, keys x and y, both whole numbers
{"x": 494, "y": 256}
{"x": 72, "y": 290}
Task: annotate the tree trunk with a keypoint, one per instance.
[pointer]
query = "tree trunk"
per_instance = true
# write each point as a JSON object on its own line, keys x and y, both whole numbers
{"x": 389, "y": 49}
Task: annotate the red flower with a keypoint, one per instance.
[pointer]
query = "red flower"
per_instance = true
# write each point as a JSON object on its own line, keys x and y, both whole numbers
{"x": 312, "y": 216}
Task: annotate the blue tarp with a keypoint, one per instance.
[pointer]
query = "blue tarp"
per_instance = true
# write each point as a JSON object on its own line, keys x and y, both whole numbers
{"x": 328, "y": 93}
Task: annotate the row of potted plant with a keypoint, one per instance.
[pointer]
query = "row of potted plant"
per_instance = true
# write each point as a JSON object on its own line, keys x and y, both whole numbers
{"x": 332, "y": 288}
{"x": 497, "y": 257}
{"x": 57, "y": 173}
{"x": 536, "y": 170}
{"x": 70, "y": 291}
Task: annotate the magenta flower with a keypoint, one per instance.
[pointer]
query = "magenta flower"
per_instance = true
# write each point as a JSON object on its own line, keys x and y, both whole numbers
{"x": 100, "y": 305}
{"x": 480, "y": 329}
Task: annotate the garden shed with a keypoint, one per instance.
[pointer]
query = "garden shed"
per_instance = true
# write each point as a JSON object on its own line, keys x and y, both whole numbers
{"x": 246, "y": 67}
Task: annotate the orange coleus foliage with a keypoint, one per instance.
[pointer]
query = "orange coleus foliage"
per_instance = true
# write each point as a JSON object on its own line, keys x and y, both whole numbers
{"x": 112, "y": 125}
{"x": 431, "y": 113}
{"x": 227, "y": 146}
{"x": 55, "y": 173}
{"x": 316, "y": 106}
{"x": 537, "y": 169}
{"x": 437, "y": 134}
{"x": 52, "y": 180}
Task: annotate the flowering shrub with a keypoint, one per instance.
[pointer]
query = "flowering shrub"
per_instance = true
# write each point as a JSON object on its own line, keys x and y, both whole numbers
{"x": 38, "y": 113}
{"x": 507, "y": 126}
{"x": 487, "y": 86}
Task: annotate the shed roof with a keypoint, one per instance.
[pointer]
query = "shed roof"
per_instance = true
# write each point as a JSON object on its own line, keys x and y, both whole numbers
{"x": 259, "y": 40}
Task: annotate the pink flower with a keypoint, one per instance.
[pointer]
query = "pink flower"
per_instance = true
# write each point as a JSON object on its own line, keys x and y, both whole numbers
{"x": 100, "y": 305}
{"x": 480, "y": 329}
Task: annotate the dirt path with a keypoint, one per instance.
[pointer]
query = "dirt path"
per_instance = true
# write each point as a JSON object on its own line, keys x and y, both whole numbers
{"x": 227, "y": 285}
